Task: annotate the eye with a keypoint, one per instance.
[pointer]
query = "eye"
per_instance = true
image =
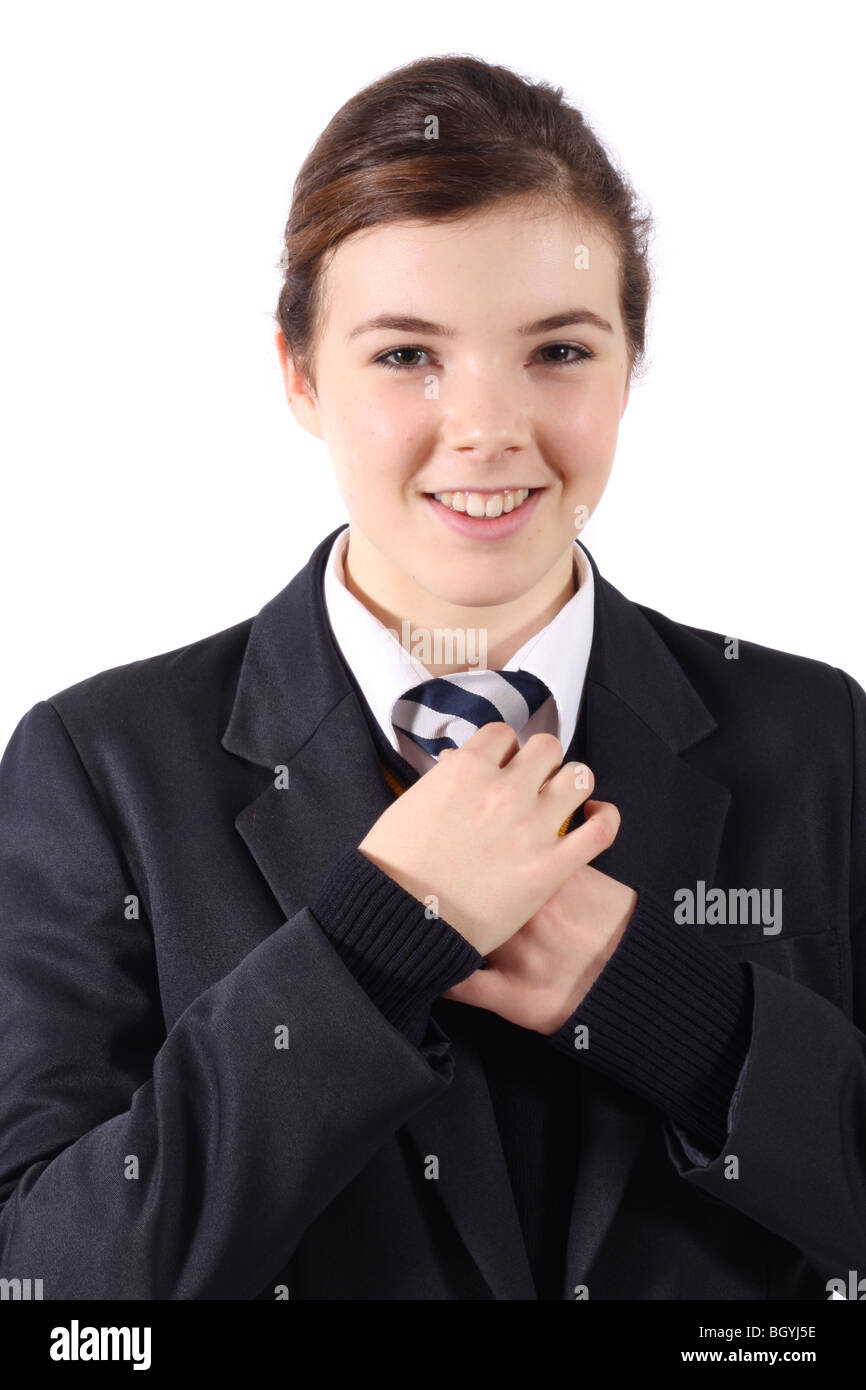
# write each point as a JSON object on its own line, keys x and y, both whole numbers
{"x": 583, "y": 355}
{"x": 398, "y": 366}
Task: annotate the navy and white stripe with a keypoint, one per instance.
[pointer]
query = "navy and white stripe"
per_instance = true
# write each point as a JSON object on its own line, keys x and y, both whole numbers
{"x": 445, "y": 712}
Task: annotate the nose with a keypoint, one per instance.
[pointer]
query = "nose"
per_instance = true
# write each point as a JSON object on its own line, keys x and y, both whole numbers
{"x": 484, "y": 416}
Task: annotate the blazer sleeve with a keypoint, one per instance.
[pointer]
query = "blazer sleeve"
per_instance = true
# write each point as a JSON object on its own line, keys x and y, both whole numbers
{"x": 143, "y": 1163}
{"x": 797, "y": 1124}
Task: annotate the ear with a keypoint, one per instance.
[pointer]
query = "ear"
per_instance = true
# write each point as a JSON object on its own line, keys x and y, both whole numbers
{"x": 299, "y": 393}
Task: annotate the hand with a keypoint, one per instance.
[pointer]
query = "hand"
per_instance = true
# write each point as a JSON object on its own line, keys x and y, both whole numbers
{"x": 480, "y": 831}
{"x": 540, "y": 975}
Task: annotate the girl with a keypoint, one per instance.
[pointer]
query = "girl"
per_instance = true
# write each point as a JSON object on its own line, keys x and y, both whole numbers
{"x": 328, "y": 973}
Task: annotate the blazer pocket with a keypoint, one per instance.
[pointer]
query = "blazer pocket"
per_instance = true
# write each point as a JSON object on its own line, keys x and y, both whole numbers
{"x": 812, "y": 958}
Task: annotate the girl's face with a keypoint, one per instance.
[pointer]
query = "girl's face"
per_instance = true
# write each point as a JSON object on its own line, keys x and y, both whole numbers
{"x": 436, "y": 373}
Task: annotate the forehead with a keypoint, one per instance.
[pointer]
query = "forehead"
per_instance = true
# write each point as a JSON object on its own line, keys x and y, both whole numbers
{"x": 514, "y": 254}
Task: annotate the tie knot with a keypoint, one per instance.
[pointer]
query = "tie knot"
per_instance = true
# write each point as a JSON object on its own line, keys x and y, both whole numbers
{"x": 445, "y": 712}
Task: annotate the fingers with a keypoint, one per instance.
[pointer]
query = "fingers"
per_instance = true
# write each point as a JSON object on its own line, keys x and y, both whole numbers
{"x": 537, "y": 763}
{"x": 495, "y": 742}
{"x": 569, "y": 787}
{"x": 537, "y": 760}
{"x": 597, "y": 833}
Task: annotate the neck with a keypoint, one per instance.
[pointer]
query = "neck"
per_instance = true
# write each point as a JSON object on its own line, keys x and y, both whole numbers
{"x": 492, "y": 634}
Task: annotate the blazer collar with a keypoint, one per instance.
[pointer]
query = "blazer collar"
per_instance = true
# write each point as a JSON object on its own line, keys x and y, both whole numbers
{"x": 295, "y": 707}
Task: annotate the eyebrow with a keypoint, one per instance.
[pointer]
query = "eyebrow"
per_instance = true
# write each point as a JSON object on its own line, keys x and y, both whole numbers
{"x": 407, "y": 323}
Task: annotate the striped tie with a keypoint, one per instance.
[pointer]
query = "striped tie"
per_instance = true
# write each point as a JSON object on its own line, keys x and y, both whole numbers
{"x": 444, "y": 713}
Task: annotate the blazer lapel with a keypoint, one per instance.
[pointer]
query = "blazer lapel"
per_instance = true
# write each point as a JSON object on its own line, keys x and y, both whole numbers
{"x": 294, "y": 708}
{"x": 641, "y": 714}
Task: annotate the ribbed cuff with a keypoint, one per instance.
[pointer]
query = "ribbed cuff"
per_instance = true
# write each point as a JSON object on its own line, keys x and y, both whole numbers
{"x": 670, "y": 1018}
{"x": 403, "y": 959}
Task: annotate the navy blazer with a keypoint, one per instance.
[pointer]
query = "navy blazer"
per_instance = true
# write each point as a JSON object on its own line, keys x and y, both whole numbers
{"x": 199, "y": 1101}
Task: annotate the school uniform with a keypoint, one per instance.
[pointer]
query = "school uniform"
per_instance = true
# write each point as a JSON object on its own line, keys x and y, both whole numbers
{"x": 226, "y": 1070}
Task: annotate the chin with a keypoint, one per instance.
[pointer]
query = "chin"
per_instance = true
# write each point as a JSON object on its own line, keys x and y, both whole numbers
{"x": 480, "y": 594}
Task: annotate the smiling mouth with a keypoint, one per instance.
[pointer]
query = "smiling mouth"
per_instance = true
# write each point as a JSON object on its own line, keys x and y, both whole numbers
{"x": 484, "y": 502}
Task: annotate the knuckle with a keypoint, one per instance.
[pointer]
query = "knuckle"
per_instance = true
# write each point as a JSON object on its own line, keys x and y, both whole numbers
{"x": 545, "y": 743}
{"x": 496, "y": 732}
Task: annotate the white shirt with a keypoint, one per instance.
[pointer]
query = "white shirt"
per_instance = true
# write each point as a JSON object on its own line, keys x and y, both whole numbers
{"x": 385, "y": 670}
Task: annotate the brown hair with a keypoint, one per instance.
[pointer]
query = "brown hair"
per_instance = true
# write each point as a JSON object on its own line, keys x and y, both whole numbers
{"x": 499, "y": 137}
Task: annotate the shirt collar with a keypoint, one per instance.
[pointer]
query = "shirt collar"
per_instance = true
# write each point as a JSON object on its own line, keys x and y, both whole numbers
{"x": 385, "y": 670}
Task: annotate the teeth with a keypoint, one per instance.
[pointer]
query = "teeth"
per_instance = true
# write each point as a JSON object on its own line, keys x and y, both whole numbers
{"x": 475, "y": 504}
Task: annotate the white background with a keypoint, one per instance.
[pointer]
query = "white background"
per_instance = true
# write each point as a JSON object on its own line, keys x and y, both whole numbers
{"x": 156, "y": 487}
